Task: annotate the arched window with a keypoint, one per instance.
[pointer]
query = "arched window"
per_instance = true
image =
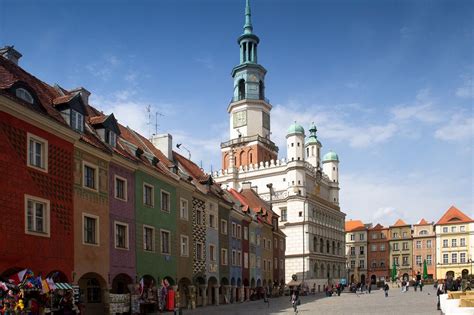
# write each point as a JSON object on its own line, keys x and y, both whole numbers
{"x": 24, "y": 95}
{"x": 241, "y": 89}
{"x": 423, "y": 232}
{"x": 321, "y": 245}
{"x": 241, "y": 158}
{"x": 261, "y": 90}
{"x": 327, "y": 246}
{"x": 315, "y": 244}
{"x": 333, "y": 247}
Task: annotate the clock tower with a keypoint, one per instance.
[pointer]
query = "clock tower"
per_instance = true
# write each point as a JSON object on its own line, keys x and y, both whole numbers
{"x": 249, "y": 109}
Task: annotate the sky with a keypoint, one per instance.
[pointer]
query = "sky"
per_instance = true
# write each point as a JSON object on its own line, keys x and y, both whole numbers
{"x": 389, "y": 84}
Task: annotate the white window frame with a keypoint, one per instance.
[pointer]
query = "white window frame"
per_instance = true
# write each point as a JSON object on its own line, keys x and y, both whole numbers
{"x": 239, "y": 231}
{"x": 24, "y": 95}
{"x": 445, "y": 258}
{"x": 246, "y": 233}
{"x": 454, "y": 242}
{"x": 127, "y": 244}
{"x": 184, "y": 238}
{"x": 429, "y": 260}
{"x": 161, "y": 242}
{"x": 152, "y": 228}
{"x": 125, "y": 192}
{"x": 462, "y": 258}
{"x": 212, "y": 253}
{"x": 454, "y": 258}
{"x": 445, "y": 229}
{"x": 97, "y": 228}
{"x": 162, "y": 191}
{"x": 46, "y": 216}
{"x": 224, "y": 226}
{"x": 445, "y": 243}
{"x": 234, "y": 257}
{"x": 212, "y": 220}
{"x": 202, "y": 251}
{"x": 184, "y": 210}
{"x": 239, "y": 258}
{"x": 224, "y": 257}
{"x": 462, "y": 242}
{"x": 152, "y": 195}
{"x": 429, "y": 243}
{"x": 246, "y": 260}
{"x": 44, "y": 152}
{"x": 76, "y": 121}
{"x": 96, "y": 175}
{"x": 234, "y": 229}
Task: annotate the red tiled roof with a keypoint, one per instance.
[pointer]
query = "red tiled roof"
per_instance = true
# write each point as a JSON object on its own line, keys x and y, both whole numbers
{"x": 454, "y": 215}
{"x": 354, "y": 225}
{"x": 251, "y": 201}
{"x": 97, "y": 119}
{"x": 400, "y": 222}
{"x": 378, "y": 227}
{"x": 422, "y": 222}
{"x": 63, "y": 99}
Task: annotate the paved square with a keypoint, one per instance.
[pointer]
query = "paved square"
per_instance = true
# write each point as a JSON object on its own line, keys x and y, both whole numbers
{"x": 348, "y": 303}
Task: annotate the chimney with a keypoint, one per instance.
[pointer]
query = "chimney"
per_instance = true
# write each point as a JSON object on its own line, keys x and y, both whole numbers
{"x": 10, "y": 53}
{"x": 246, "y": 185}
{"x": 84, "y": 94}
{"x": 164, "y": 143}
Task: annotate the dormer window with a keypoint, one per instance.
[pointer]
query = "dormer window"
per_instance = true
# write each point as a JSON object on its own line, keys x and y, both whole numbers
{"x": 24, "y": 95}
{"x": 77, "y": 121}
{"x": 110, "y": 137}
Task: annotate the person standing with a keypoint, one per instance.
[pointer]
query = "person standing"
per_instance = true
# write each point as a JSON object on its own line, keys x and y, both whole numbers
{"x": 385, "y": 289}
{"x": 439, "y": 291}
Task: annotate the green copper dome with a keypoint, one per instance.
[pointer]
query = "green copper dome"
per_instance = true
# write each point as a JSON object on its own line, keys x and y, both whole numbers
{"x": 330, "y": 156}
{"x": 295, "y": 128}
{"x": 312, "y": 139}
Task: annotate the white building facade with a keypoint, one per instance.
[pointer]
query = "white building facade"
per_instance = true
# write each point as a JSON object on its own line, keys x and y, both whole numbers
{"x": 302, "y": 187}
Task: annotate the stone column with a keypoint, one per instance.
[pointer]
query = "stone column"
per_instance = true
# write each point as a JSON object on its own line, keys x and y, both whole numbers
{"x": 247, "y": 292}
{"x": 241, "y": 290}
{"x": 192, "y": 297}
{"x": 204, "y": 295}
{"x": 216, "y": 294}
{"x": 234, "y": 293}
{"x": 226, "y": 292}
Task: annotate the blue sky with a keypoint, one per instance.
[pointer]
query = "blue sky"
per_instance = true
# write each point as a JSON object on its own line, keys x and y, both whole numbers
{"x": 388, "y": 83}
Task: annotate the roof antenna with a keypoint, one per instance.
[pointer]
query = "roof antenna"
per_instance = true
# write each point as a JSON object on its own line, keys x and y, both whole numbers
{"x": 157, "y": 113}
{"x": 179, "y": 145}
{"x": 148, "y": 110}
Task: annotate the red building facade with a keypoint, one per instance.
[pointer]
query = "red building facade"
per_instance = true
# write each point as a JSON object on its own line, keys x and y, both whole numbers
{"x": 378, "y": 254}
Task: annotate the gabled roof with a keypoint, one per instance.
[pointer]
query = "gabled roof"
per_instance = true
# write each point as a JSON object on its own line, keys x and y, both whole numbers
{"x": 354, "y": 225}
{"x": 452, "y": 216}
{"x": 399, "y": 222}
{"x": 378, "y": 227}
{"x": 423, "y": 222}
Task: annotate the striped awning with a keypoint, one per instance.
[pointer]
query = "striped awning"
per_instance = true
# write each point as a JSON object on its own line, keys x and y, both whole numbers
{"x": 62, "y": 286}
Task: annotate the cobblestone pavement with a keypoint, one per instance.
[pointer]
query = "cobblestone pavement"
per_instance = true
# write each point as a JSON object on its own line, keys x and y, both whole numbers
{"x": 348, "y": 303}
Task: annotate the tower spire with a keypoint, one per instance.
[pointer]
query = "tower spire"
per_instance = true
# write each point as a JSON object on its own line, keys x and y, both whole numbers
{"x": 248, "y": 28}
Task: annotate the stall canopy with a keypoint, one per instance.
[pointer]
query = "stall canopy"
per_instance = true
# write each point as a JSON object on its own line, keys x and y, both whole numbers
{"x": 62, "y": 286}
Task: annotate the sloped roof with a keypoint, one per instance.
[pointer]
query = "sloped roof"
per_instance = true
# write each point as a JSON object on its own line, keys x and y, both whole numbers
{"x": 454, "y": 215}
{"x": 399, "y": 222}
{"x": 354, "y": 225}
{"x": 378, "y": 227}
{"x": 422, "y": 222}
{"x": 251, "y": 201}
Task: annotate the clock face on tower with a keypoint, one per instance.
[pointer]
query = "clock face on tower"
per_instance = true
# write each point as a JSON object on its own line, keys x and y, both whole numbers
{"x": 240, "y": 118}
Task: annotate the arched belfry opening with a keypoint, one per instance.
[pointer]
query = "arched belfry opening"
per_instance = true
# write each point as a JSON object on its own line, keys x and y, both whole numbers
{"x": 241, "y": 89}
{"x": 261, "y": 90}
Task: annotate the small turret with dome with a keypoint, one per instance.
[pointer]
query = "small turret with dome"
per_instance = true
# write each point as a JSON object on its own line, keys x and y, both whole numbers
{"x": 295, "y": 142}
{"x": 330, "y": 156}
{"x": 331, "y": 166}
{"x": 313, "y": 147}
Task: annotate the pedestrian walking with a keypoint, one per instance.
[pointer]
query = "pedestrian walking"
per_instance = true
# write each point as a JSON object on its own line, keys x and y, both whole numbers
{"x": 295, "y": 301}
{"x": 439, "y": 291}
{"x": 385, "y": 289}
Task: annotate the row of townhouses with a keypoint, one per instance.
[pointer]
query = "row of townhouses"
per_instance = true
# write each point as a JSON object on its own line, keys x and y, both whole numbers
{"x": 98, "y": 205}
{"x": 445, "y": 247}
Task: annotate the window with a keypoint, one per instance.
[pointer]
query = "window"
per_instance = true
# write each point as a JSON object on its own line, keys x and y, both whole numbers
{"x": 382, "y": 235}
{"x": 37, "y": 152}
{"x": 234, "y": 257}
{"x": 259, "y": 262}
{"x": 275, "y": 263}
{"x": 454, "y": 258}
{"x": 224, "y": 227}
{"x": 224, "y": 260}
{"x": 199, "y": 217}
{"x": 212, "y": 252}
{"x": 395, "y": 235}
{"x": 77, "y": 121}
{"x": 110, "y": 137}
{"x": 405, "y": 245}
{"x": 418, "y": 260}
{"x": 148, "y": 238}
{"x": 382, "y": 247}
{"x": 352, "y": 237}
{"x": 445, "y": 258}
{"x": 93, "y": 291}
{"x": 199, "y": 254}
{"x": 234, "y": 229}
{"x": 462, "y": 257}
{"x": 239, "y": 258}
{"x": 454, "y": 242}
{"x": 361, "y": 264}
{"x": 121, "y": 235}
{"x": 258, "y": 239}
{"x": 423, "y": 232}
{"x": 246, "y": 233}
{"x": 395, "y": 261}
{"x": 24, "y": 95}
{"x": 463, "y": 242}
{"x": 184, "y": 245}
{"x": 445, "y": 229}
{"x": 148, "y": 199}
{"x": 165, "y": 201}
{"x": 382, "y": 263}
{"x": 37, "y": 216}
{"x": 353, "y": 264}
{"x": 283, "y": 215}
{"x": 353, "y": 251}
{"x": 91, "y": 229}
{"x": 445, "y": 243}
{"x": 246, "y": 260}
{"x": 374, "y": 264}
{"x": 212, "y": 221}
{"x": 462, "y": 228}
{"x": 184, "y": 209}
{"x": 361, "y": 236}
{"x": 361, "y": 250}
{"x": 373, "y": 248}
{"x": 120, "y": 188}
{"x": 428, "y": 260}
{"x": 453, "y": 229}
{"x": 275, "y": 243}
{"x": 418, "y": 244}
{"x": 395, "y": 246}
{"x": 405, "y": 261}
{"x": 404, "y": 234}
{"x": 282, "y": 264}
{"x": 428, "y": 243}
{"x": 165, "y": 242}
{"x": 282, "y": 245}
{"x": 374, "y": 236}
{"x": 90, "y": 176}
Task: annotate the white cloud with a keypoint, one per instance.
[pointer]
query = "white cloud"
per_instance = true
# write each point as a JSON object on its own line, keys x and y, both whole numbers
{"x": 104, "y": 67}
{"x": 423, "y": 110}
{"x": 458, "y": 128}
{"x": 206, "y": 61}
{"x": 466, "y": 90}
